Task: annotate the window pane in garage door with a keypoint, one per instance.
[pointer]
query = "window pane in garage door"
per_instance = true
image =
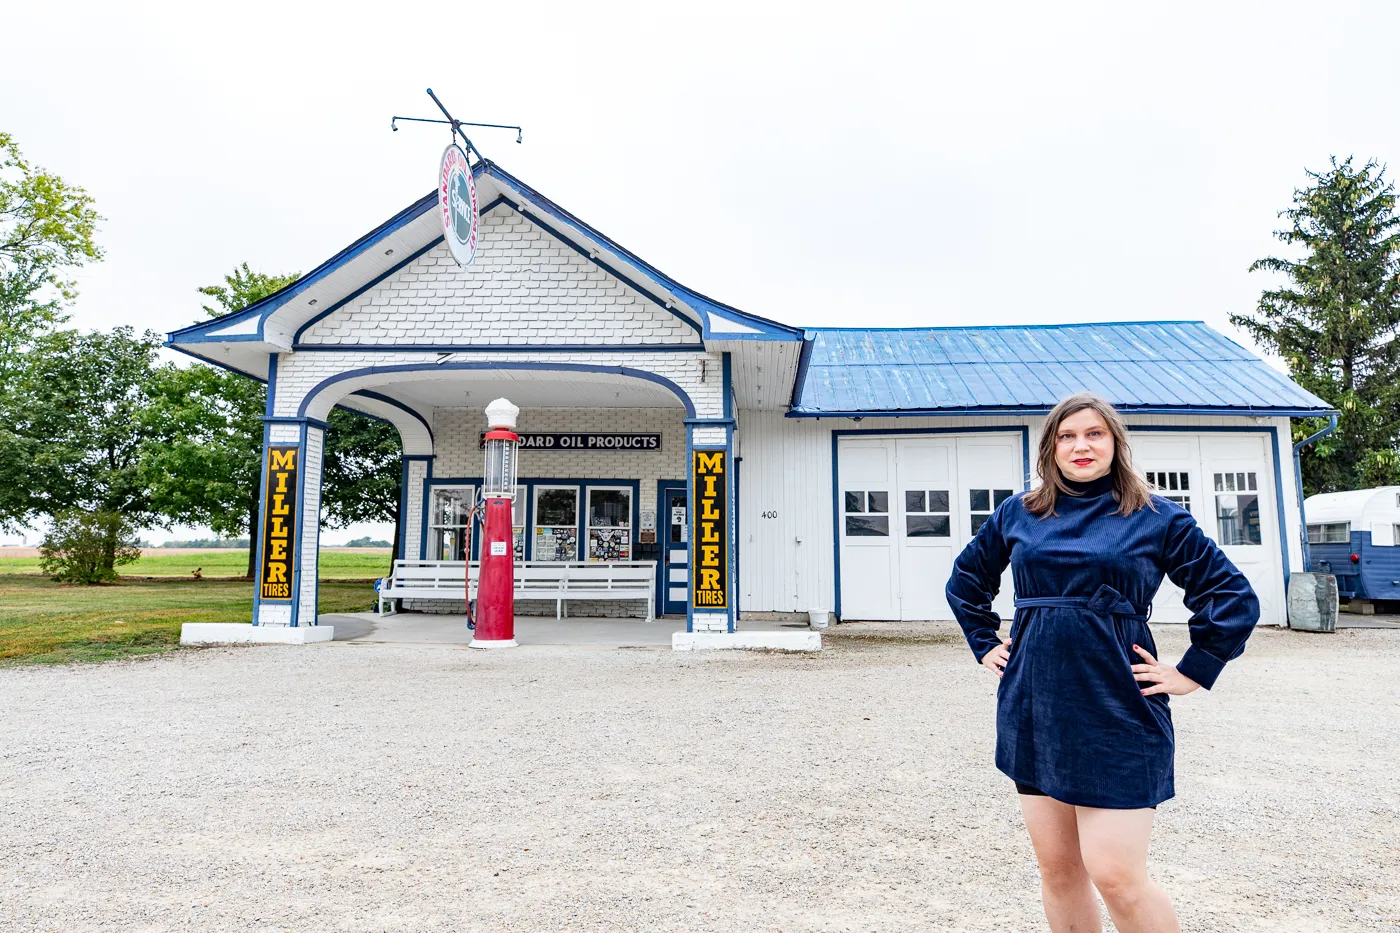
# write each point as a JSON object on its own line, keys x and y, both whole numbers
{"x": 867, "y": 525}
{"x": 983, "y": 501}
{"x": 926, "y": 513}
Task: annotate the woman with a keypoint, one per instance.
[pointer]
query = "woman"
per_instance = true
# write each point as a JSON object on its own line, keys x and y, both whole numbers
{"x": 1083, "y": 726}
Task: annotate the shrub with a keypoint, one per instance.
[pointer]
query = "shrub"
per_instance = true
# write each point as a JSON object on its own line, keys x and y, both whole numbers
{"x": 88, "y": 547}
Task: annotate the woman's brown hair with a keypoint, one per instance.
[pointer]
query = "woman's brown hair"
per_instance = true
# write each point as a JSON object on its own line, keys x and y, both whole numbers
{"x": 1131, "y": 491}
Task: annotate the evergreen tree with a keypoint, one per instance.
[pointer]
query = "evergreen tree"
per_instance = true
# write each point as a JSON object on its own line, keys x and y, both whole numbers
{"x": 1335, "y": 322}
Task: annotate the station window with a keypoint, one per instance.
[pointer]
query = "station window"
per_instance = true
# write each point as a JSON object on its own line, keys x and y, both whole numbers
{"x": 983, "y": 502}
{"x": 926, "y": 514}
{"x": 1175, "y": 486}
{"x": 609, "y": 523}
{"x": 451, "y": 508}
{"x": 517, "y": 522}
{"x": 556, "y": 523}
{"x": 1237, "y": 509}
{"x": 1330, "y": 533}
{"x": 867, "y": 514}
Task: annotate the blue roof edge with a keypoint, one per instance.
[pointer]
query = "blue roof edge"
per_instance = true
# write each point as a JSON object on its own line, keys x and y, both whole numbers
{"x": 1281, "y": 412}
{"x": 196, "y": 333}
{"x": 706, "y": 306}
{"x": 952, "y": 327}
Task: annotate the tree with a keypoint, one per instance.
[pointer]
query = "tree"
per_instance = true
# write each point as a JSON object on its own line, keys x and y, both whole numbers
{"x": 87, "y": 547}
{"x": 204, "y": 453}
{"x": 206, "y": 462}
{"x": 46, "y": 231}
{"x": 82, "y": 427}
{"x": 361, "y": 475}
{"x": 206, "y": 468}
{"x": 1336, "y": 320}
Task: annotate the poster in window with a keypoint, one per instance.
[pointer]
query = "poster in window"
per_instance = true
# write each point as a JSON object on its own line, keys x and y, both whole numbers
{"x": 609, "y": 544}
{"x": 556, "y": 543}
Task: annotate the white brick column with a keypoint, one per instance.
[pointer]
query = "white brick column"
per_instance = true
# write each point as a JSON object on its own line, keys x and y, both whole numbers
{"x": 710, "y": 485}
{"x": 416, "y": 471}
{"x": 289, "y": 532}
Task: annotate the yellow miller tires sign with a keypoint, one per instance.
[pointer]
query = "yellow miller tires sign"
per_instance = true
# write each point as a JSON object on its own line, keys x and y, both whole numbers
{"x": 709, "y": 574}
{"x": 279, "y": 524}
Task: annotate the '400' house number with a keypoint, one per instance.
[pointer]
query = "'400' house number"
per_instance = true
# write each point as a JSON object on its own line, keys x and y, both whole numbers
{"x": 769, "y": 514}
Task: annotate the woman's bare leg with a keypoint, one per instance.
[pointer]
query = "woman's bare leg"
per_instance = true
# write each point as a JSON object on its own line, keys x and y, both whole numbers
{"x": 1070, "y": 905}
{"x": 1113, "y": 844}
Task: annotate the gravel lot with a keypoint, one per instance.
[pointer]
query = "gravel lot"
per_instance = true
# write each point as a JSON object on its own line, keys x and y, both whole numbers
{"x": 378, "y": 788}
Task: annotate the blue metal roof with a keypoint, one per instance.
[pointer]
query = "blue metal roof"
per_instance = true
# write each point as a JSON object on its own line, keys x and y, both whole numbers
{"x": 1160, "y": 366}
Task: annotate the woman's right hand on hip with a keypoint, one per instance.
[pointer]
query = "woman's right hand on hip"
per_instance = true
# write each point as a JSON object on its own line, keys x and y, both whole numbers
{"x": 995, "y": 660}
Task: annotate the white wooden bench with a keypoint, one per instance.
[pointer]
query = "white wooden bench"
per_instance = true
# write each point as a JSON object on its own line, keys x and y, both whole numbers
{"x": 534, "y": 579}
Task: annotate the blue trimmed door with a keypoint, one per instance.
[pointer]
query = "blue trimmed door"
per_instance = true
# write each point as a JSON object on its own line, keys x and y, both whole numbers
{"x": 674, "y": 528}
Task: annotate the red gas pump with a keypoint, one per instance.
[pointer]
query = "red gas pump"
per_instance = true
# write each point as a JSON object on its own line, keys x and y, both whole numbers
{"x": 495, "y": 591}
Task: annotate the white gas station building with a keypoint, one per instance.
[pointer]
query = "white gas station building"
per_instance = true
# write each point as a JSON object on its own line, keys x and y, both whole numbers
{"x": 853, "y": 464}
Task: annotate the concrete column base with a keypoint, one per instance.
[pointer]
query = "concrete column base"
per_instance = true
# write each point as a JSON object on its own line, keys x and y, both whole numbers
{"x": 770, "y": 641}
{"x": 243, "y": 633}
{"x": 493, "y": 643}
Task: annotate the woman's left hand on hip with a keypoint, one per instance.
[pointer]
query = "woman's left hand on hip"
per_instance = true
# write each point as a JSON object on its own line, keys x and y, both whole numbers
{"x": 1162, "y": 678}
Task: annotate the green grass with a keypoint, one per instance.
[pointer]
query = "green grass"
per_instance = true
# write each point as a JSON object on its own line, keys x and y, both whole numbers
{"x": 335, "y": 564}
{"x": 45, "y": 622}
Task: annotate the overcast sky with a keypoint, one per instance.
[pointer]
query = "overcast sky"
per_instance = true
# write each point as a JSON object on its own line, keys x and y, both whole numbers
{"x": 820, "y": 164}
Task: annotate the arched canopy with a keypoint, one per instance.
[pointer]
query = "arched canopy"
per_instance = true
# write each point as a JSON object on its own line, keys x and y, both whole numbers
{"x": 414, "y": 387}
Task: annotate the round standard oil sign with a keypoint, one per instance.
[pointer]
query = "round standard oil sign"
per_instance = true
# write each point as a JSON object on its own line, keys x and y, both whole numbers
{"x": 457, "y": 204}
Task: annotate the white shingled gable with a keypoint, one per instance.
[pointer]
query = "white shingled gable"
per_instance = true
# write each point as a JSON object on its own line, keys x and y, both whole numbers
{"x": 525, "y": 288}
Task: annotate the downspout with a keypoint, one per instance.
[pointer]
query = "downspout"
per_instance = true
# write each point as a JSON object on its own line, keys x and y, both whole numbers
{"x": 1298, "y": 477}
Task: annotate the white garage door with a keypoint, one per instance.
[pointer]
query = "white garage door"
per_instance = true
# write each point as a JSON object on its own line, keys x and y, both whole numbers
{"x": 1226, "y": 480}
{"x": 908, "y": 505}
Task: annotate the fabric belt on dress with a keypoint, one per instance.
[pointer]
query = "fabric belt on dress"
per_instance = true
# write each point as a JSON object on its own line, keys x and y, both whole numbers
{"x": 1105, "y": 601}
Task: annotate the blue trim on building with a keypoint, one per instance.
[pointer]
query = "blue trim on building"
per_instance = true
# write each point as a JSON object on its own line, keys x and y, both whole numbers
{"x": 689, "y": 517}
{"x": 709, "y": 422}
{"x": 296, "y": 338}
{"x": 958, "y": 327}
{"x": 289, "y": 419}
{"x": 663, "y": 540}
{"x": 488, "y": 364}
{"x": 272, "y": 359}
{"x": 257, "y": 533}
{"x": 837, "y": 434}
{"x": 501, "y": 348}
{"x": 728, "y": 386}
{"x": 261, "y": 309}
{"x": 662, "y": 303}
{"x": 732, "y": 557}
{"x": 221, "y": 365}
{"x": 316, "y": 585}
{"x": 738, "y": 540}
{"x": 300, "y": 559}
{"x": 406, "y": 460}
{"x": 395, "y": 403}
{"x": 1013, "y": 410}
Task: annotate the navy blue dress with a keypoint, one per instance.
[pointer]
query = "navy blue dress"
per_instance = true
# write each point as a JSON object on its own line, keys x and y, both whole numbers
{"x": 1071, "y": 718}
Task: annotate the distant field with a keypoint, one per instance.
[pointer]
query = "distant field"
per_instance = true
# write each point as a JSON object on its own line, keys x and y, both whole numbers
{"x": 335, "y": 563}
{"x": 46, "y": 622}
